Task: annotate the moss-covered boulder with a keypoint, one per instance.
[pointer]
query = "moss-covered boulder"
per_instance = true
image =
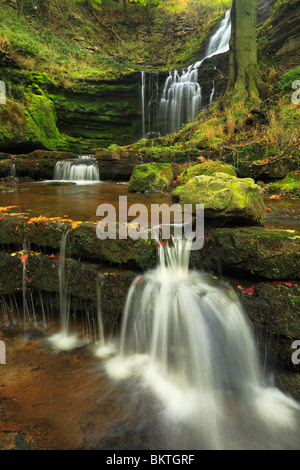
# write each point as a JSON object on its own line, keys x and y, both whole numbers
{"x": 152, "y": 177}
{"x": 207, "y": 168}
{"x": 226, "y": 197}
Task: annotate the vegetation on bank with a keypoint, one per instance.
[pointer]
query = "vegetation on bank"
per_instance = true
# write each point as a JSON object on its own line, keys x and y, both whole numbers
{"x": 82, "y": 59}
{"x": 71, "y": 40}
{"x": 260, "y": 141}
{"x": 60, "y": 59}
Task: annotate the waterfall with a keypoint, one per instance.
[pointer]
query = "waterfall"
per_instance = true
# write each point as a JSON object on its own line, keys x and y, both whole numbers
{"x": 212, "y": 93}
{"x": 82, "y": 169}
{"x": 187, "y": 342}
{"x": 150, "y": 100}
{"x": 13, "y": 171}
{"x": 219, "y": 42}
{"x": 63, "y": 340}
{"x": 181, "y": 98}
{"x": 143, "y": 104}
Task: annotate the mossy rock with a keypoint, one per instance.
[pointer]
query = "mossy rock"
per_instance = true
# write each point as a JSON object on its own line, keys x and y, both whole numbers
{"x": 274, "y": 310}
{"x": 152, "y": 177}
{"x": 288, "y": 187}
{"x": 51, "y": 155}
{"x": 270, "y": 254}
{"x": 60, "y": 183}
{"x": 206, "y": 168}
{"x": 176, "y": 193}
{"x": 226, "y": 197}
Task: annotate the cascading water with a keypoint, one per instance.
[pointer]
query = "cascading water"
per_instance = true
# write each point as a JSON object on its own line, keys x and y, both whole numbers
{"x": 82, "y": 169}
{"x": 219, "y": 42}
{"x": 149, "y": 100}
{"x": 187, "y": 342}
{"x": 63, "y": 340}
{"x": 212, "y": 93}
{"x": 181, "y": 99}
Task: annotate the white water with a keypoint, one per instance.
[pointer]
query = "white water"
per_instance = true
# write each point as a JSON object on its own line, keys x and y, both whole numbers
{"x": 63, "y": 340}
{"x": 181, "y": 99}
{"x": 186, "y": 342}
{"x": 143, "y": 104}
{"x": 219, "y": 42}
{"x": 79, "y": 170}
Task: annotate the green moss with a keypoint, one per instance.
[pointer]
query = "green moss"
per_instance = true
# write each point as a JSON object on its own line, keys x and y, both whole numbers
{"x": 288, "y": 187}
{"x": 225, "y": 197}
{"x": 152, "y": 177}
{"x": 206, "y": 168}
{"x": 270, "y": 254}
{"x": 42, "y": 118}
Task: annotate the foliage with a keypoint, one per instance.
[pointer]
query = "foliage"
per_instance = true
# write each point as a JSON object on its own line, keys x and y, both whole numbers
{"x": 288, "y": 78}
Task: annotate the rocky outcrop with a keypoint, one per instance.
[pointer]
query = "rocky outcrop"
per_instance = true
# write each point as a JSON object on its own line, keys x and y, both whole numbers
{"x": 251, "y": 252}
{"x": 282, "y": 36}
{"x": 225, "y": 197}
{"x": 88, "y": 114}
{"x": 274, "y": 310}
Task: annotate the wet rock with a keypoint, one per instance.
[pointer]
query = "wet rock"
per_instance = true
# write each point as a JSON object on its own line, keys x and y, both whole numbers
{"x": 4, "y": 156}
{"x": 205, "y": 168}
{"x": 52, "y": 155}
{"x": 268, "y": 254}
{"x": 152, "y": 177}
{"x": 274, "y": 310}
{"x": 115, "y": 171}
{"x": 225, "y": 197}
{"x": 289, "y": 383}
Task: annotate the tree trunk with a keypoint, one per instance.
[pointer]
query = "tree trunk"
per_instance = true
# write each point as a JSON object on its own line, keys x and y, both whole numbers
{"x": 243, "y": 69}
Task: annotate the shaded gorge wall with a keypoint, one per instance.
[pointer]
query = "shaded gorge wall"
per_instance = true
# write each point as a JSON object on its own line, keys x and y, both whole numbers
{"x": 41, "y": 114}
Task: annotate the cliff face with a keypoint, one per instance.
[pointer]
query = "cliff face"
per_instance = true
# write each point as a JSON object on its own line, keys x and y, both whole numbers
{"x": 279, "y": 33}
{"x": 88, "y": 114}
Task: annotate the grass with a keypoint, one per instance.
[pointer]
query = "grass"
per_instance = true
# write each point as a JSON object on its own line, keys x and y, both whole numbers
{"x": 66, "y": 40}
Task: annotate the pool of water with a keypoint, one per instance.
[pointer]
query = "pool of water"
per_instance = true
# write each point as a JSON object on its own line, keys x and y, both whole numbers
{"x": 80, "y": 202}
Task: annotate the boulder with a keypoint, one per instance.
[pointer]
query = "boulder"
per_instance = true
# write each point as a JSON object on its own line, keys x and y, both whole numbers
{"x": 205, "y": 168}
{"x": 152, "y": 177}
{"x": 226, "y": 197}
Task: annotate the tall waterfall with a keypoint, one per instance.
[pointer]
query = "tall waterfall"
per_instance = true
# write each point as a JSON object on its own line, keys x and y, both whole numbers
{"x": 150, "y": 100}
{"x": 219, "y": 42}
{"x": 181, "y": 97}
{"x": 187, "y": 346}
{"x": 82, "y": 169}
